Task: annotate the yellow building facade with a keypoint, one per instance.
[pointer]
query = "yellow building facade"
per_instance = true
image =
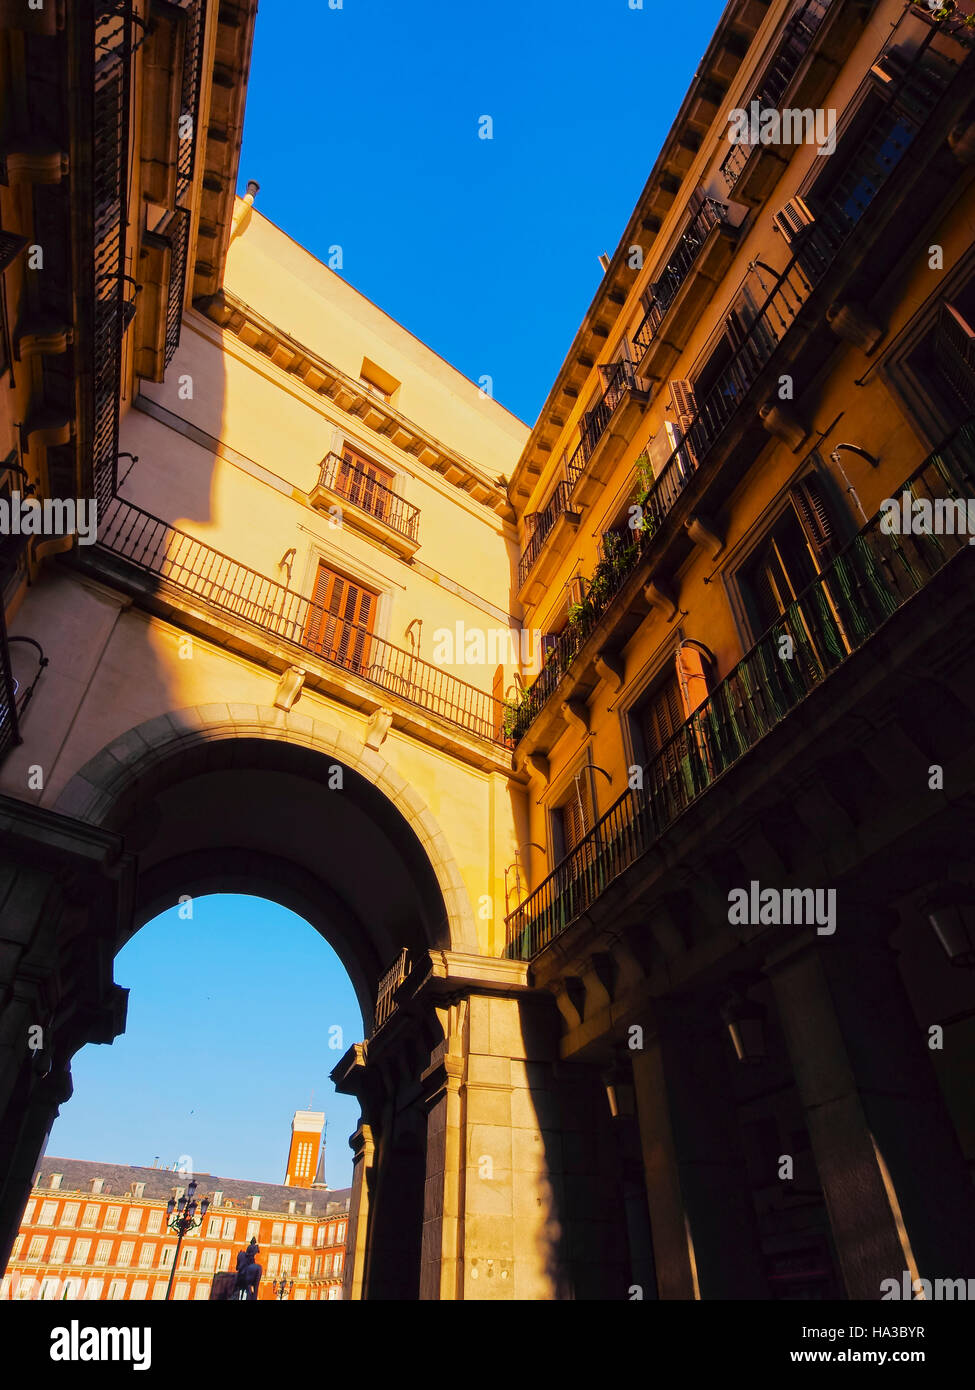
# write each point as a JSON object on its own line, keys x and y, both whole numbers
{"x": 295, "y": 658}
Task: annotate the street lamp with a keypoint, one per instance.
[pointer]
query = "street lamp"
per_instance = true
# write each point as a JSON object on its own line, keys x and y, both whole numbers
{"x": 282, "y": 1285}
{"x": 183, "y": 1221}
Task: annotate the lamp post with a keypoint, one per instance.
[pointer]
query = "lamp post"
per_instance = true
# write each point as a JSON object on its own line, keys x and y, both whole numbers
{"x": 281, "y": 1286}
{"x": 183, "y": 1221}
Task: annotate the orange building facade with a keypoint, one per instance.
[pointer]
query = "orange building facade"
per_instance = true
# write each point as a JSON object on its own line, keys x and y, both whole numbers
{"x": 97, "y": 1231}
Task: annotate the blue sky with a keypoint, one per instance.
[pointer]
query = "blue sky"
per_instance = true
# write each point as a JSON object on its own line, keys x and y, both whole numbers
{"x": 362, "y": 130}
{"x": 181, "y": 1081}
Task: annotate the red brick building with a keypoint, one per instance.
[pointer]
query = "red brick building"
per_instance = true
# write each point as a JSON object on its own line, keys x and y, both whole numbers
{"x": 98, "y": 1231}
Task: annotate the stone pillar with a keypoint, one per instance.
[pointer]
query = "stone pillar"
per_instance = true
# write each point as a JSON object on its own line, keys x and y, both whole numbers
{"x": 702, "y": 1217}
{"x": 896, "y": 1185}
{"x": 363, "y": 1150}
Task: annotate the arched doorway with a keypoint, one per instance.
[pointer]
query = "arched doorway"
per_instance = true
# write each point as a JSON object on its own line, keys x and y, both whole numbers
{"x": 268, "y": 804}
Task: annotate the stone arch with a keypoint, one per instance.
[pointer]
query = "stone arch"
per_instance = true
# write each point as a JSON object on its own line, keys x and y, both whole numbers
{"x": 191, "y": 733}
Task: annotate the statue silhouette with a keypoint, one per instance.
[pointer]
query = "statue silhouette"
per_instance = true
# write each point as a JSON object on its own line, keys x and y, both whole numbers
{"x": 248, "y": 1272}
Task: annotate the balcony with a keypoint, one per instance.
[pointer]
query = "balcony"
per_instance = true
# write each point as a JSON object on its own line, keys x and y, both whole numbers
{"x": 700, "y": 258}
{"x": 537, "y": 562}
{"x": 188, "y": 567}
{"x": 379, "y": 512}
{"x": 751, "y": 171}
{"x": 864, "y": 585}
{"x": 606, "y": 430}
{"x": 9, "y": 729}
{"x": 737, "y": 389}
{"x": 388, "y": 985}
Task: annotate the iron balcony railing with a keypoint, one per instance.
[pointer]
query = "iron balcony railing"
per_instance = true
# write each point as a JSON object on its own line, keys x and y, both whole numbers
{"x": 664, "y": 290}
{"x": 800, "y": 31}
{"x": 157, "y": 548}
{"x": 195, "y": 11}
{"x": 9, "y": 728}
{"x": 541, "y": 524}
{"x": 109, "y": 41}
{"x": 388, "y": 985}
{"x": 178, "y": 235}
{"x": 815, "y": 253}
{"x": 620, "y": 378}
{"x": 358, "y": 486}
{"x": 863, "y": 586}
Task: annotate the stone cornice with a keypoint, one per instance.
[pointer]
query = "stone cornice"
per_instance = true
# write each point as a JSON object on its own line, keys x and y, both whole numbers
{"x": 715, "y": 73}
{"x": 350, "y": 395}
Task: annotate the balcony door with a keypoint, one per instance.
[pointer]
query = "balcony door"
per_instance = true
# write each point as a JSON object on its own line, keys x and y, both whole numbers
{"x": 340, "y": 622}
{"x": 365, "y": 483}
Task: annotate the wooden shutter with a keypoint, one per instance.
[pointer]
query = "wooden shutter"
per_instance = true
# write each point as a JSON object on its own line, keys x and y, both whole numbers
{"x": 793, "y": 219}
{"x": 662, "y": 715}
{"x": 684, "y": 401}
{"x": 577, "y": 813}
{"x": 341, "y": 618}
{"x": 364, "y": 482}
{"x": 813, "y": 513}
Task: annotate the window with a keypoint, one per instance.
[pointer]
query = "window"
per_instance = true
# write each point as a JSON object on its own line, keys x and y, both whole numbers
{"x": 189, "y": 1258}
{"x": 90, "y": 1218}
{"x": 15, "y": 1252}
{"x": 213, "y": 1230}
{"x": 116, "y": 1289}
{"x": 379, "y": 382}
{"x": 81, "y": 1251}
{"x": 330, "y": 1239}
{"x": 230, "y": 1228}
{"x": 338, "y": 1262}
{"x": 256, "y": 1203}
{"x": 93, "y": 1290}
{"x": 96, "y": 1185}
{"x": 223, "y": 1260}
{"x": 253, "y": 1229}
{"x": 290, "y": 1233}
{"x": 154, "y": 1224}
{"x": 133, "y": 1218}
{"x": 208, "y": 1259}
{"x": 138, "y": 1189}
{"x": 125, "y": 1252}
{"x": 201, "y": 1291}
{"x": 29, "y": 1212}
{"x": 166, "y": 1256}
{"x": 277, "y": 1233}
{"x": 335, "y": 1293}
{"x": 308, "y": 1207}
{"x": 49, "y": 1211}
{"x": 59, "y": 1250}
{"x": 292, "y": 1204}
{"x": 286, "y": 1261}
{"x": 791, "y": 556}
{"x": 139, "y": 1290}
{"x": 340, "y": 619}
{"x": 341, "y": 1231}
{"x": 318, "y": 1264}
{"x": 571, "y": 822}
{"x": 56, "y": 1181}
{"x": 69, "y": 1214}
{"x": 181, "y": 1292}
{"x": 272, "y": 1263}
{"x": 36, "y": 1248}
{"x": 159, "y": 1289}
{"x": 367, "y": 484}
{"x": 103, "y": 1252}
{"x": 306, "y": 1235}
{"x": 304, "y": 1265}
{"x": 112, "y": 1217}
{"x": 49, "y": 1288}
{"x": 146, "y": 1256}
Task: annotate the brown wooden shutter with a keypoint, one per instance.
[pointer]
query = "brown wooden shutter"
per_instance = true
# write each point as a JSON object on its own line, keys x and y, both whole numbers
{"x": 577, "y": 813}
{"x": 662, "y": 715}
{"x": 364, "y": 482}
{"x": 684, "y": 401}
{"x": 813, "y": 513}
{"x": 340, "y": 621}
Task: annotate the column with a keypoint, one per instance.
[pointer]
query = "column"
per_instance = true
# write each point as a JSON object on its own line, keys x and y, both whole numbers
{"x": 705, "y": 1231}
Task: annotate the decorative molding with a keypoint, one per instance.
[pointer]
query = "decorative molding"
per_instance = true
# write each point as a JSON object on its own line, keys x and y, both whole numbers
{"x": 352, "y": 396}
{"x": 576, "y": 712}
{"x": 702, "y": 532}
{"x": 661, "y": 594}
{"x": 611, "y": 666}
